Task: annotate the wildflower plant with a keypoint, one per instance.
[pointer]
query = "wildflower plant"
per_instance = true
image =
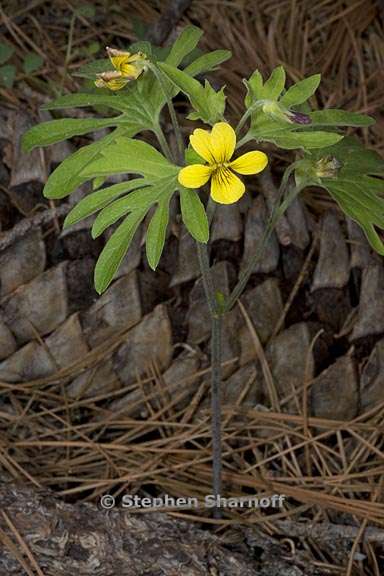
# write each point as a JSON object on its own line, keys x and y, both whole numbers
{"x": 138, "y": 87}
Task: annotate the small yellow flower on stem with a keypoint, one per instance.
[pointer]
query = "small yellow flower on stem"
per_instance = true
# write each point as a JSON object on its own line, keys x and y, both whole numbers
{"x": 127, "y": 66}
{"x": 217, "y": 148}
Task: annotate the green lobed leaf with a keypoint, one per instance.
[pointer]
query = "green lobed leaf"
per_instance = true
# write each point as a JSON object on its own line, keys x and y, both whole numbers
{"x": 194, "y": 215}
{"x": 263, "y": 126}
{"x": 354, "y": 158}
{"x": 101, "y": 198}
{"x": 334, "y": 117}
{"x": 183, "y": 45}
{"x": 274, "y": 86}
{"x": 373, "y": 238}
{"x": 361, "y": 198}
{"x": 115, "y": 250}
{"x": 67, "y": 176}
{"x": 352, "y": 183}
{"x": 151, "y": 100}
{"x": 304, "y": 140}
{"x": 208, "y": 105}
{"x": 126, "y": 155}
{"x": 207, "y": 62}
{"x": 367, "y": 186}
{"x": 81, "y": 100}
{"x": 254, "y": 88}
{"x": 141, "y": 199}
{"x": 141, "y": 107}
{"x": 98, "y": 182}
{"x": 301, "y": 91}
{"x": 142, "y": 101}
{"x": 189, "y": 58}
{"x": 57, "y": 130}
{"x": 271, "y": 90}
{"x": 212, "y": 105}
{"x": 156, "y": 233}
{"x": 363, "y": 212}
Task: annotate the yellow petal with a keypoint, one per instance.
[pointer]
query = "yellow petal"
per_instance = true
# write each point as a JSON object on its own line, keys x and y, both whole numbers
{"x": 250, "y": 163}
{"x": 201, "y": 142}
{"x": 137, "y": 56}
{"x": 194, "y": 176}
{"x": 118, "y": 58}
{"x": 223, "y": 141}
{"x": 226, "y": 187}
{"x": 111, "y": 80}
{"x": 130, "y": 71}
{"x": 216, "y": 146}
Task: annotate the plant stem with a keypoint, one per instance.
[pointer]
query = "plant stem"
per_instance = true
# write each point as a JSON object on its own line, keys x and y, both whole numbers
{"x": 217, "y": 311}
{"x": 246, "y": 115}
{"x": 245, "y": 275}
{"x": 216, "y": 328}
{"x": 243, "y": 119}
{"x": 163, "y": 142}
{"x": 176, "y": 128}
{"x": 211, "y": 209}
{"x": 206, "y": 274}
{"x": 172, "y": 113}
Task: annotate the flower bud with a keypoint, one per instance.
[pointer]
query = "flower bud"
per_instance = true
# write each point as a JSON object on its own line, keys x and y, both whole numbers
{"x": 299, "y": 117}
{"x": 327, "y": 167}
{"x": 280, "y": 112}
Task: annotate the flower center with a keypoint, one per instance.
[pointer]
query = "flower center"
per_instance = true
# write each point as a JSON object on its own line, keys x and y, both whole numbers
{"x": 219, "y": 166}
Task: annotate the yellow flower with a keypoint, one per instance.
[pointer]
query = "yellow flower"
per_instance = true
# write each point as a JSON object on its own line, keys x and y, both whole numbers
{"x": 127, "y": 67}
{"x": 217, "y": 148}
